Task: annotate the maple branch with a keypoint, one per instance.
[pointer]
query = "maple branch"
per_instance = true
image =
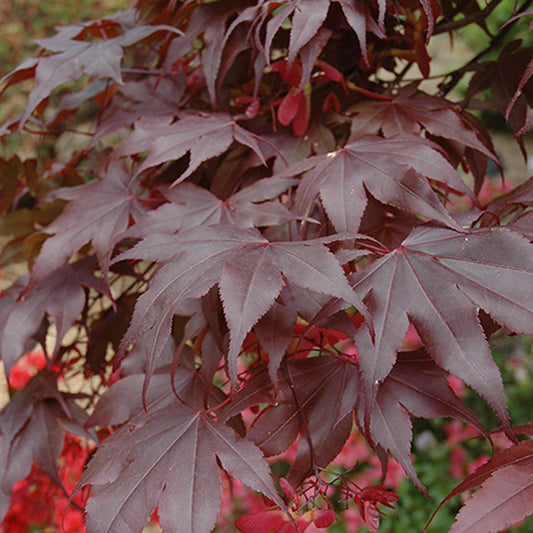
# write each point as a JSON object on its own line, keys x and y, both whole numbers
{"x": 495, "y": 42}
{"x": 58, "y": 131}
{"x": 370, "y": 94}
{"x": 477, "y": 17}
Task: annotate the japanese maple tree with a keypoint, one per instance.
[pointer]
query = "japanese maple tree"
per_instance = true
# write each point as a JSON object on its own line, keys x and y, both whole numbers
{"x": 265, "y": 204}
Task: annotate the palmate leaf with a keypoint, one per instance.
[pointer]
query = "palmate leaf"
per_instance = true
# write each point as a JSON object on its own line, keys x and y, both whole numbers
{"x": 123, "y": 400}
{"x": 72, "y": 57}
{"x": 202, "y": 135}
{"x": 435, "y": 279}
{"x": 61, "y": 296}
{"x": 250, "y": 272}
{"x": 394, "y": 171}
{"x": 31, "y": 430}
{"x": 190, "y": 206}
{"x": 503, "y": 77}
{"x": 307, "y": 20}
{"x": 415, "y": 387}
{"x": 327, "y": 391}
{"x": 168, "y": 459}
{"x": 410, "y": 111}
{"x": 505, "y": 496}
{"x": 98, "y": 212}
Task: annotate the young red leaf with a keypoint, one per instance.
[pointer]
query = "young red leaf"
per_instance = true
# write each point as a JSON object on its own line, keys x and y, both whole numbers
{"x": 325, "y": 518}
{"x": 271, "y": 521}
{"x": 261, "y": 522}
{"x": 168, "y": 459}
{"x": 289, "y": 492}
{"x": 370, "y": 514}
{"x": 290, "y": 106}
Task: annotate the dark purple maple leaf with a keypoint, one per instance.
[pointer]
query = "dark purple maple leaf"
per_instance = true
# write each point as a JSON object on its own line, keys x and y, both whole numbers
{"x": 32, "y": 426}
{"x": 275, "y": 331}
{"x": 128, "y": 397}
{"x": 250, "y": 272}
{"x": 435, "y": 279}
{"x": 394, "y": 171}
{"x": 503, "y": 77}
{"x": 506, "y": 498}
{"x": 168, "y": 459}
{"x": 60, "y": 295}
{"x": 99, "y": 212}
{"x": 327, "y": 391}
{"x": 123, "y": 400}
{"x": 206, "y": 24}
{"x": 307, "y": 20}
{"x": 415, "y": 387}
{"x": 410, "y": 111}
{"x": 135, "y": 99}
{"x": 190, "y": 206}
{"x": 505, "y": 495}
{"x": 201, "y": 135}
{"x": 71, "y": 58}
{"x": 360, "y": 20}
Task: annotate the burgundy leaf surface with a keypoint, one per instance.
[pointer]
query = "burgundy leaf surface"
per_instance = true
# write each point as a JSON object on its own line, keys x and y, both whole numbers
{"x": 202, "y": 136}
{"x": 98, "y": 212}
{"x": 250, "y": 273}
{"x": 435, "y": 280}
{"x": 326, "y": 390}
{"x": 410, "y": 111}
{"x": 504, "y": 499}
{"x": 415, "y": 387}
{"x": 60, "y": 295}
{"x": 190, "y": 206}
{"x": 168, "y": 459}
{"x": 393, "y": 170}
{"x": 32, "y": 431}
{"x": 71, "y": 58}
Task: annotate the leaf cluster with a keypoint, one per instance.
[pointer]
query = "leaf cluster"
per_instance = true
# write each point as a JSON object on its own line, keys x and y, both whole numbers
{"x": 264, "y": 205}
